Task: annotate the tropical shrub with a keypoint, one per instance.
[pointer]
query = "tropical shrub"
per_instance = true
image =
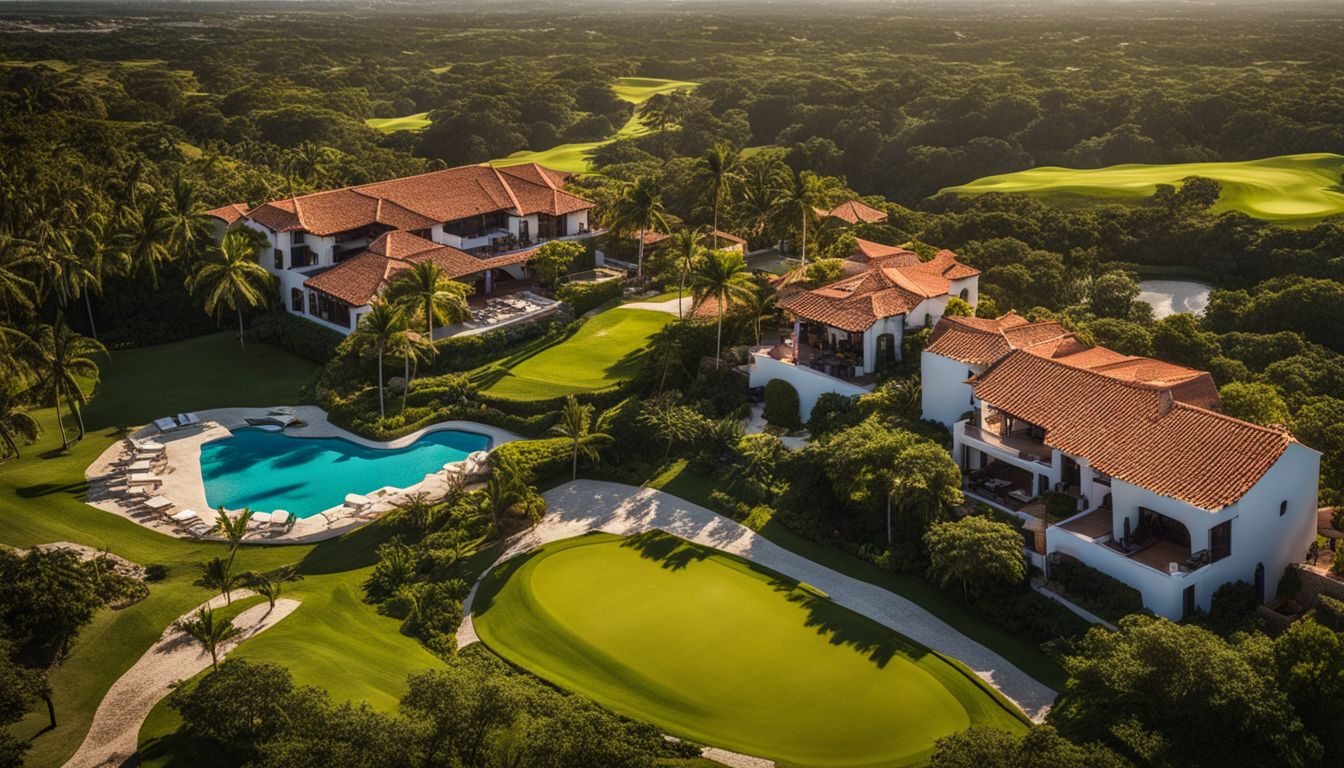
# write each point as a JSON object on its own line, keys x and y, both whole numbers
{"x": 538, "y": 460}
{"x": 832, "y": 412}
{"x": 295, "y": 335}
{"x": 976, "y": 554}
{"x": 585, "y": 297}
{"x": 1330, "y": 612}
{"x": 1103, "y": 595}
{"x": 1059, "y": 505}
{"x": 781, "y": 404}
{"x": 1290, "y": 583}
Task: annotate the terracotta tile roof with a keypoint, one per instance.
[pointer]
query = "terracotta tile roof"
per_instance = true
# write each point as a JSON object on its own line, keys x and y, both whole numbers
{"x": 229, "y": 214}
{"x": 1186, "y": 384}
{"x": 723, "y": 236}
{"x": 855, "y": 303}
{"x": 867, "y": 250}
{"x": 358, "y": 280}
{"x": 854, "y": 212}
{"x": 984, "y": 341}
{"x": 420, "y": 202}
{"x": 650, "y": 237}
{"x": 1137, "y": 432}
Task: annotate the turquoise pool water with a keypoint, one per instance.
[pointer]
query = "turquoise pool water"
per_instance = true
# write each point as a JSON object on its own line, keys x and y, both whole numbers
{"x": 267, "y": 471}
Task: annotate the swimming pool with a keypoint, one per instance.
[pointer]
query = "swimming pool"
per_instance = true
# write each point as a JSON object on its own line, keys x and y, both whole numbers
{"x": 267, "y": 471}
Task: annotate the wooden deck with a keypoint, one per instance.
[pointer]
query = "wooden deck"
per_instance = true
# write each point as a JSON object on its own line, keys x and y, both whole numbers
{"x": 1093, "y": 525}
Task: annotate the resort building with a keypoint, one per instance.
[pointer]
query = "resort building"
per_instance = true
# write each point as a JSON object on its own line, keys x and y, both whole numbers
{"x": 845, "y": 331}
{"x": 727, "y": 242}
{"x": 849, "y": 213}
{"x": 334, "y": 251}
{"x": 1159, "y": 490}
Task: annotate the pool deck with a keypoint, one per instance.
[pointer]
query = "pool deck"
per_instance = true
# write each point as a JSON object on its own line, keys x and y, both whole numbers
{"x": 184, "y": 486}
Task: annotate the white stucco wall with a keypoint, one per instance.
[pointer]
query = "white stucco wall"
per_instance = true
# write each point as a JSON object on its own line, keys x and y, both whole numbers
{"x": 809, "y": 383}
{"x": 945, "y": 394}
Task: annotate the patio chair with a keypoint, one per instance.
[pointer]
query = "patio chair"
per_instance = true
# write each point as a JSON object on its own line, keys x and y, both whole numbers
{"x": 281, "y": 520}
{"x": 146, "y": 446}
{"x": 188, "y": 419}
{"x": 358, "y": 503}
{"x": 259, "y": 520}
{"x": 166, "y": 424}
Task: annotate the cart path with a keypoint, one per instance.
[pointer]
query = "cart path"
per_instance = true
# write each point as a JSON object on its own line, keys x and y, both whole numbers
{"x": 579, "y": 507}
{"x": 114, "y": 734}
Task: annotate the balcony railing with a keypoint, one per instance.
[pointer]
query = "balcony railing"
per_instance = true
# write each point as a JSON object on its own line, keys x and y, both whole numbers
{"x": 1021, "y": 444}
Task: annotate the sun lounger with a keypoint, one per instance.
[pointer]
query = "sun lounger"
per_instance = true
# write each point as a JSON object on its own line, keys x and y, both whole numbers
{"x": 281, "y": 520}
{"x": 199, "y": 529}
{"x": 147, "y": 446}
{"x": 143, "y": 478}
{"x": 358, "y": 503}
{"x": 185, "y": 517}
{"x": 166, "y": 424}
{"x": 188, "y": 419}
{"x": 139, "y": 465}
{"x": 158, "y": 503}
{"x": 259, "y": 520}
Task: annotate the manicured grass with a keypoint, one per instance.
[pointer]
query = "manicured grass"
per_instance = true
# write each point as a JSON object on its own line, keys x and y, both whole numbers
{"x": 575, "y": 157}
{"x": 1288, "y": 188}
{"x": 603, "y": 353}
{"x": 680, "y": 481}
{"x": 416, "y": 122}
{"x": 720, "y": 651}
{"x": 333, "y": 640}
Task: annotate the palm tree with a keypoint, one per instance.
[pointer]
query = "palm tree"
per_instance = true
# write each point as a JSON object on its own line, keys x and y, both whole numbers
{"x": 671, "y": 420}
{"x": 233, "y": 528}
{"x": 95, "y": 254}
{"x": 717, "y": 172}
{"x": 147, "y": 232}
{"x": 380, "y": 330}
{"x": 16, "y": 423}
{"x": 309, "y": 161}
{"x": 65, "y": 357}
{"x": 217, "y": 573}
{"x": 798, "y": 194}
{"x": 233, "y": 278}
{"x": 685, "y": 246}
{"x": 576, "y": 425}
{"x": 757, "y": 191}
{"x": 640, "y": 209}
{"x": 424, "y": 289}
{"x": 270, "y": 585}
{"x": 759, "y": 304}
{"x": 188, "y": 228}
{"x": 412, "y": 347}
{"x": 212, "y": 634}
{"x": 507, "y": 490}
{"x": 722, "y": 276}
{"x": 16, "y": 257}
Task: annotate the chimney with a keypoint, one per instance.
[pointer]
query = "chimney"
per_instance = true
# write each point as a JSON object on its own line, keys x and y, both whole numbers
{"x": 1165, "y": 402}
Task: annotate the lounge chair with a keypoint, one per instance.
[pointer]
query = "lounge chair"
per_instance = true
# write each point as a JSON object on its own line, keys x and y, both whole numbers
{"x": 147, "y": 446}
{"x": 259, "y": 520}
{"x": 188, "y": 419}
{"x": 357, "y": 502}
{"x": 143, "y": 478}
{"x": 185, "y": 517}
{"x": 166, "y": 424}
{"x": 281, "y": 520}
{"x": 199, "y": 529}
{"x": 157, "y": 504}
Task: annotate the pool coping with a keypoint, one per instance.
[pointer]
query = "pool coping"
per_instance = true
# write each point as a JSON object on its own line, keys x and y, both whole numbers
{"x": 183, "y": 483}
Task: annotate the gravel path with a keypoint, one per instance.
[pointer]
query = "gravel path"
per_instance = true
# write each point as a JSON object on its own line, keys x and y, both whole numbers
{"x": 669, "y": 306}
{"x": 576, "y": 508}
{"x": 115, "y": 731}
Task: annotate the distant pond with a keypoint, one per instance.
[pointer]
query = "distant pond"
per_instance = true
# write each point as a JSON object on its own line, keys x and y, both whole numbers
{"x": 1169, "y": 297}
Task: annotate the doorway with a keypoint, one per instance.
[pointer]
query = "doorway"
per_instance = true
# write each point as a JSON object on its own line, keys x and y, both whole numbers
{"x": 1260, "y": 582}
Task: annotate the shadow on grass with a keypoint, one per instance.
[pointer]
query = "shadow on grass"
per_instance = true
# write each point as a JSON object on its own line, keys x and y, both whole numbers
{"x": 355, "y": 550}
{"x": 671, "y": 553}
{"x": 181, "y": 750}
{"x": 76, "y": 489}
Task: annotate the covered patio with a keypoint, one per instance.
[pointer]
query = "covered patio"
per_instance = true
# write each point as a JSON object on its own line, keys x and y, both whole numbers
{"x": 1157, "y": 542}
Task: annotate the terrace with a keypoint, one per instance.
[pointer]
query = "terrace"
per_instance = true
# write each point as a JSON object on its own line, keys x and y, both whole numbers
{"x": 843, "y": 362}
{"x": 1157, "y": 542}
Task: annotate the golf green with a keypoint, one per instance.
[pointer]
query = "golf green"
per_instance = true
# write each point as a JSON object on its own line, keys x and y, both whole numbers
{"x": 1288, "y": 188}
{"x": 717, "y": 650}
{"x": 603, "y": 353}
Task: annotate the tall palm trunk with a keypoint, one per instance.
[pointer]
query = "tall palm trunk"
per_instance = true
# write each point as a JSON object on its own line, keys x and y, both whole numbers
{"x": 88, "y": 305}
{"x": 56, "y": 388}
{"x": 574, "y": 474}
{"x": 405, "y": 374}
{"x": 381, "y": 413}
{"x": 718, "y": 337}
{"x": 681, "y": 287}
{"x": 716, "y": 220}
{"x": 79, "y": 418}
{"x": 241, "y": 345}
{"x": 429, "y": 318}
{"x": 9, "y": 441}
{"x": 804, "y": 247}
{"x": 639, "y": 268}
{"x": 51, "y": 709}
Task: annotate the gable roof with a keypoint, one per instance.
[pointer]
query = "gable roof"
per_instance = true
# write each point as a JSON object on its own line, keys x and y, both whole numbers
{"x": 984, "y": 341}
{"x": 358, "y": 280}
{"x": 421, "y": 202}
{"x": 1135, "y": 431}
{"x": 867, "y": 250}
{"x": 855, "y": 303}
{"x": 854, "y": 212}
{"x": 229, "y": 214}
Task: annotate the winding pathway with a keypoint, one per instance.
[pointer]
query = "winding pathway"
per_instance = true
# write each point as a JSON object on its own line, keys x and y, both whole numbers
{"x": 114, "y": 734}
{"x": 579, "y": 507}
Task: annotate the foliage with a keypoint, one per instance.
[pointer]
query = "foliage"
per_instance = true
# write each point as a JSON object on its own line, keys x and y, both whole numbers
{"x": 46, "y": 598}
{"x": 295, "y": 335}
{"x": 553, "y": 261}
{"x": 781, "y": 404}
{"x": 1059, "y": 505}
{"x": 830, "y": 413}
{"x": 977, "y": 554}
{"x": 212, "y": 633}
{"x": 1254, "y": 402}
{"x": 1042, "y": 747}
{"x": 1103, "y": 595}
{"x": 1232, "y": 608}
{"x": 584, "y": 297}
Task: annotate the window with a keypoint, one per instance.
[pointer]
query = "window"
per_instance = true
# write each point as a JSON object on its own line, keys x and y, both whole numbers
{"x": 302, "y": 256}
{"x": 965, "y": 294}
{"x": 312, "y": 302}
{"x": 296, "y": 237}
{"x": 279, "y": 259}
{"x": 1283, "y": 507}
{"x": 296, "y": 299}
{"x": 1220, "y": 541}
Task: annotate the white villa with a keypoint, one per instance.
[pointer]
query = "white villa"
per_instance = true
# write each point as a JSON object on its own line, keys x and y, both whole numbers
{"x": 334, "y": 251}
{"x": 843, "y": 332}
{"x": 1169, "y": 496}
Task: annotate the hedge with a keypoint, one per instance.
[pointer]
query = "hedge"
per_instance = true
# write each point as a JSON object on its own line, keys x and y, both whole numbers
{"x": 1107, "y": 597}
{"x": 462, "y": 353}
{"x": 295, "y": 335}
{"x": 781, "y": 404}
{"x": 1330, "y": 612}
{"x": 588, "y": 296}
{"x": 442, "y": 391}
{"x": 539, "y": 460}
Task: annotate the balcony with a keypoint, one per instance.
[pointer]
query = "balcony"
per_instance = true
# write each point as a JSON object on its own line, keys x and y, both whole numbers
{"x": 1156, "y": 544}
{"x": 841, "y": 364}
{"x": 1019, "y": 444}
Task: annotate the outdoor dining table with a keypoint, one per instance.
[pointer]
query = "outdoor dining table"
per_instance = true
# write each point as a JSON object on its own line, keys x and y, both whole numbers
{"x": 1020, "y": 496}
{"x": 144, "y": 478}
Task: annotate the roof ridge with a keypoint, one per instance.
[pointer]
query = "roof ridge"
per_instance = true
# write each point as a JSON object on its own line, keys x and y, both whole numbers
{"x": 507, "y": 189}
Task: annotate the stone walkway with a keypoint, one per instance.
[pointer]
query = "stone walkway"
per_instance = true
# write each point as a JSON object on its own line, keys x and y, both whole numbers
{"x": 182, "y": 482}
{"x": 579, "y": 507}
{"x": 115, "y": 731}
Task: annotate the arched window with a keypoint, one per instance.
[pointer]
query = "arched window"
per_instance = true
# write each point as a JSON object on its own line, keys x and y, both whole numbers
{"x": 965, "y": 294}
{"x": 1283, "y": 507}
{"x": 296, "y": 299}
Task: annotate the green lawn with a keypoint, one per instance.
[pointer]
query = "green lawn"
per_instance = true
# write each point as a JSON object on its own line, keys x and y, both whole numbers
{"x": 1289, "y": 188}
{"x": 334, "y": 640}
{"x": 575, "y": 157}
{"x": 682, "y": 482}
{"x": 604, "y": 352}
{"x": 417, "y": 122}
{"x": 714, "y": 649}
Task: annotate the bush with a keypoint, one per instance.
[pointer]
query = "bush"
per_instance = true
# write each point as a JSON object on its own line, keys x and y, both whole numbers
{"x": 585, "y": 297}
{"x": 295, "y": 335}
{"x": 1103, "y": 595}
{"x": 781, "y": 404}
{"x": 1330, "y": 612}
{"x": 1290, "y": 584}
{"x": 440, "y": 391}
{"x": 538, "y": 460}
{"x": 1033, "y": 616}
{"x": 832, "y": 413}
{"x": 156, "y": 572}
{"x": 1232, "y": 608}
{"x": 461, "y": 353}
{"x": 723, "y": 390}
{"x": 1059, "y": 505}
